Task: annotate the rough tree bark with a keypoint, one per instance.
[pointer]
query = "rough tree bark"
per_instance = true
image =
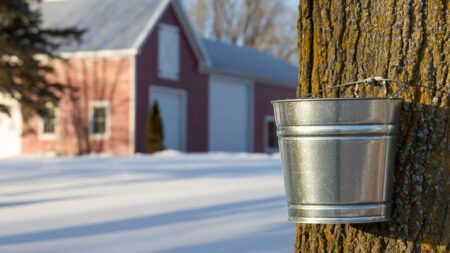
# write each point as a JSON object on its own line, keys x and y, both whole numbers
{"x": 407, "y": 40}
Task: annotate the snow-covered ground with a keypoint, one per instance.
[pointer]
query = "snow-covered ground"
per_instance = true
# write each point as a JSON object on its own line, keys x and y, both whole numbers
{"x": 169, "y": 202}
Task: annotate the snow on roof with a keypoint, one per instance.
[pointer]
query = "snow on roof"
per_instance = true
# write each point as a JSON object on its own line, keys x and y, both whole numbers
{"x": 250, "y": 62}
{"x": 120, "y": 24}
{"x": 110, "y": 24}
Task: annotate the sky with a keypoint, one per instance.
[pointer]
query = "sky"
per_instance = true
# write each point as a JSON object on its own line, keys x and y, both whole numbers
{"x": 293, "y": 3}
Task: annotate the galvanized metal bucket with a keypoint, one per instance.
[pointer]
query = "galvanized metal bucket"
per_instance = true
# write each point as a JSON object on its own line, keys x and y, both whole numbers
{"x": 338, "y": 157}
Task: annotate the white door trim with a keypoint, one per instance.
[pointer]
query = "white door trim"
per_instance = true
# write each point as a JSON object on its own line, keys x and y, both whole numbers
{"x": 251, "y": 106}
{"x": 184, "y": 98}
{"x": 13, "y": 146}
{"x": 132, "y": 105}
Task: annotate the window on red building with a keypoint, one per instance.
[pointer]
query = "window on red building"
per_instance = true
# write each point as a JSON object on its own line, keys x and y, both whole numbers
{"x": 99, "y": 116}
{"x": 270, "y": 134}
{"x": 48, "y": 127}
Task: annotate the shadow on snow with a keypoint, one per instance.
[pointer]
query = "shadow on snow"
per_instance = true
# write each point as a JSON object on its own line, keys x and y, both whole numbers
{"x": 149, "y": 221}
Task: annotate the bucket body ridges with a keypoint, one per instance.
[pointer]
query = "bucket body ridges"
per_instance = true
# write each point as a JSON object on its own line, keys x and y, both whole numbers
{"x": 338, "y": 158}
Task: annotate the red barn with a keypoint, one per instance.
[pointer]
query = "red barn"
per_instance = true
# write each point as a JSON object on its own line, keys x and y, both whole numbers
{"x": 212, "y": 96}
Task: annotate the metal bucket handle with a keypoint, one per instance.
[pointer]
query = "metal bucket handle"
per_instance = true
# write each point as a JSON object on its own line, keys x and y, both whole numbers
{"x": 375, "y": 81}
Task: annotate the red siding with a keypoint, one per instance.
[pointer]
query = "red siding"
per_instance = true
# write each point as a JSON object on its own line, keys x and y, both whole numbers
{"x": 96, "y": 79}
{"x": 190, "y": 80}
{"x": 263, "y": 95}
{"x": 110, "y": 79}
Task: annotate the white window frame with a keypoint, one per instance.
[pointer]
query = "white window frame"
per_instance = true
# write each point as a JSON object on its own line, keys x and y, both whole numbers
{"x": 49, "y": 136}
{"x": 267, "y": 149}
{"x": 162, "y": 73}
{"x": 107, "y": 105}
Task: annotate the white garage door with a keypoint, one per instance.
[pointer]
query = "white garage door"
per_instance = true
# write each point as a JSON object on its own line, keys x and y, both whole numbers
{"x": 229, "y": 115}
{"x": 10, "y": 129}
{"x": 172, "y": 107}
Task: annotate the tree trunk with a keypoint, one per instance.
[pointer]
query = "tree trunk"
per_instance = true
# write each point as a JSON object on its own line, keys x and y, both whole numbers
{"x": 406, "y": 40}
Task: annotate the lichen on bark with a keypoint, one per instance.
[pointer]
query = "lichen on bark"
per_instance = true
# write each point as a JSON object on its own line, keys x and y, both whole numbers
{"x": 406, "y": 40}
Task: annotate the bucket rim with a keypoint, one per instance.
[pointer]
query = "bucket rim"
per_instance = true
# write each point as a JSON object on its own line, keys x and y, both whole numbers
{"x": 332, "y": 99}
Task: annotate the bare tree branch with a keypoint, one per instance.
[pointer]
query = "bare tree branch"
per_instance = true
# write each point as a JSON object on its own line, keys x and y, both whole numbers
{"x": 267, "y": 25}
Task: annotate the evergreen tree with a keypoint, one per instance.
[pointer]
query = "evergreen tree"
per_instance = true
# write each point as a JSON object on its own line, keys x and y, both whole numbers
{"x": 154, "y": 137}
{"x": 23, "y": 46}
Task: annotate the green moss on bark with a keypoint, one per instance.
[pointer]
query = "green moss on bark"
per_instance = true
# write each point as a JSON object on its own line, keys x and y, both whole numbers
{"x": 406, "y": 40}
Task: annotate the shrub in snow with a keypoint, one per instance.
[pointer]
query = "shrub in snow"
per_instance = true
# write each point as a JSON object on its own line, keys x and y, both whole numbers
{"x": 154, "y": 136}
